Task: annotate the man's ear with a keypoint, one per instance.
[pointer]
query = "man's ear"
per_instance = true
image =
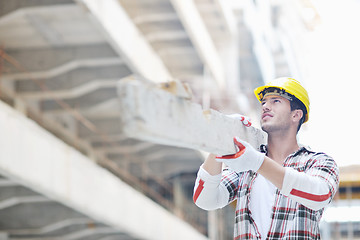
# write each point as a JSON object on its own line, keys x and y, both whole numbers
{"x": 297, "y": 115}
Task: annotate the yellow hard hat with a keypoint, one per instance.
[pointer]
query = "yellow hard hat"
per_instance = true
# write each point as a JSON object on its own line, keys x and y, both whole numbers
{"x": 290, "y": 86}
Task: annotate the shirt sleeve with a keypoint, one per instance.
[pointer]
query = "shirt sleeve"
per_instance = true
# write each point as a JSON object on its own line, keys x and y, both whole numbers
{"x": 316, "y": 186}
{"x": 210, "y": 192}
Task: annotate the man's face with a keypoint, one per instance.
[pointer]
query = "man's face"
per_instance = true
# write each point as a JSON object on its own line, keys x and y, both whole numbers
{"x": 276, "y": 114}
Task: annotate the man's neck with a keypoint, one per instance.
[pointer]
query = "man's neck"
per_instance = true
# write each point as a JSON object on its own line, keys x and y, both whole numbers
{"x": 281, "y": 146}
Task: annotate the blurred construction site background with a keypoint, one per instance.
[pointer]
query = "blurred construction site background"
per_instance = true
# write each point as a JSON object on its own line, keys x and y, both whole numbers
{"x": 68, "y": 171}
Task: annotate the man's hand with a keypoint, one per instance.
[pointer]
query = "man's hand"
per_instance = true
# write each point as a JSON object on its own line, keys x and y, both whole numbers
{"x": 245, "y": 120}
{"x": 245, "y": 159}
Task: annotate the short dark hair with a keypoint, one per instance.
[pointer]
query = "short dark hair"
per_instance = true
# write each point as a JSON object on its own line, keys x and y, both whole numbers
{"x": 297, "y": 104}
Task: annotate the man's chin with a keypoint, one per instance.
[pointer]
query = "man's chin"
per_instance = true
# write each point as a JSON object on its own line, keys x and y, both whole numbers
{"x": 265, "y": 127}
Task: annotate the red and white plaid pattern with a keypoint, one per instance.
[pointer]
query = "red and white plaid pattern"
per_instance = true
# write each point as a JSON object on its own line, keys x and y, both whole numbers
{"x": 290, "y": 218}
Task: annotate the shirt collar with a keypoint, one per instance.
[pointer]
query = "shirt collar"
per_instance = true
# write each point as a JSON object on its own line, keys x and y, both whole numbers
{"x": 302, "y": 148}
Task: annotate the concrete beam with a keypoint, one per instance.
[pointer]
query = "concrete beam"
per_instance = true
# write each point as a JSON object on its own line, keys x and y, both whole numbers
{"x": 35, "y": 60}
{"x": 4, "y": 236}
{"x": 81, "y": 90}
{"x": 86, "y": 233}
{"x": 127, "y": 40}
{"x": 56, "y": 170}
{"x": 115, "y": 137}
{"x": 153, "y": 114}
{"x": 155, "y": 17}
{"x": 51, "y": 227}
{"x": 224, "y": 13}
{"x": 166, "y": 155}
{"x": 125, "y": 149}
{"x": 42, "y": 26}
{"x": 64, "y": 68}
{"x": 166, "y": 36}
{"x": 200, "y": 37}
{"x": 7, "y": 183}
{"x": 10, "y": 202}
{"x": 102, "y": 110}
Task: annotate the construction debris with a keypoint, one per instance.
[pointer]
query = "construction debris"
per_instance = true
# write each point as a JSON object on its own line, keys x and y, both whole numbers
{"x": 177, "y": 88}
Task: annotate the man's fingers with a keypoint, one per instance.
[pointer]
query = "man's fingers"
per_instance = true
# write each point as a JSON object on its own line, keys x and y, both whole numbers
{"x": 240, "y": 150}
{"x": 245, "y": 120}
{"x": 247, "y": 123}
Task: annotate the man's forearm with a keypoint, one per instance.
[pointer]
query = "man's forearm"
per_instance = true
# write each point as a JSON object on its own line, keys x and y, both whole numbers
{"x": 311, "y": 191}
{"x": 272, "y": 171}
{"x": 212, "y": 166}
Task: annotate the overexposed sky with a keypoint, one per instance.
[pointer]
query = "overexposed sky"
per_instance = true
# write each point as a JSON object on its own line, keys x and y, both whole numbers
{"x": 333, "y": 80}
{"x": 330, "y": 71}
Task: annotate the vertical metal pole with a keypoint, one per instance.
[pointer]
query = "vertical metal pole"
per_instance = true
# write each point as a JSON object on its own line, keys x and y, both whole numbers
{"x": 1, "y": 66}
{"x": 350, "y": 228}
{"x": 213, "y": 225}
{"x": 4, "y": 236}
{"x": 326, "y": 230}
{"x": 178, "y": 197}
{"x": 206, "y": 85}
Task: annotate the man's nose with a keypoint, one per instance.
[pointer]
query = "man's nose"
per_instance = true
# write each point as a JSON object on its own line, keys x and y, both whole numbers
{"x": 265, "y": 106}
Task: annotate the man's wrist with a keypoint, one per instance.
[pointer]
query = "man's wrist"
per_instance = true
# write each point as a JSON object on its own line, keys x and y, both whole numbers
{"x": 260, "y": 161}
{"x": 212, "y": 180}
{"x": 212, "y": 166}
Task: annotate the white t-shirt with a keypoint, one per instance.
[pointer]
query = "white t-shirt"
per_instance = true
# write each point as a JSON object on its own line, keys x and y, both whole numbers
{"x": 261, "y": 202}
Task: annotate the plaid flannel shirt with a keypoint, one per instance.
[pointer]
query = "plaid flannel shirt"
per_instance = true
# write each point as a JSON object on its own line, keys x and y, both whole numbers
{"x": 289, "y": 219}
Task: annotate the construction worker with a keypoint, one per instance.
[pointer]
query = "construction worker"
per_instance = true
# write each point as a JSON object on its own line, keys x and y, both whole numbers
{"x": 282, "y": 190}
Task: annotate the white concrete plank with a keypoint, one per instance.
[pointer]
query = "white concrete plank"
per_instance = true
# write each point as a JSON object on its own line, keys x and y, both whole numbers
{"x": 149, "y": 113}
{"x": 127, "y": 39}
{"x": 35, "y": 158}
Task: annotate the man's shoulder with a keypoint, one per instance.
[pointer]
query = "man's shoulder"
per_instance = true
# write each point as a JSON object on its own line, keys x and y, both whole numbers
{"x": 314, "y": 153}
{"x": 306, "y": 158}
